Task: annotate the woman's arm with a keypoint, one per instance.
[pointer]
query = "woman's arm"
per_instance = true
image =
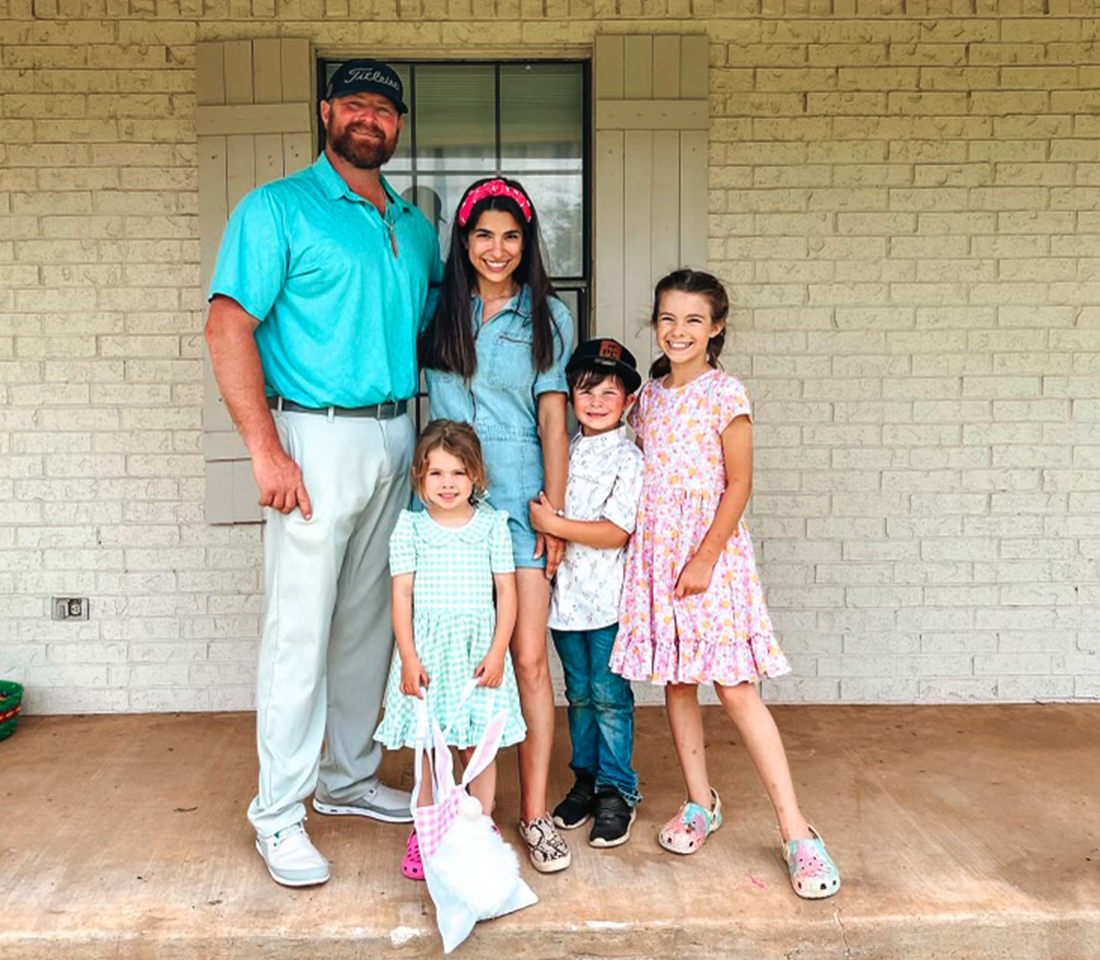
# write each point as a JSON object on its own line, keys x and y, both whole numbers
{"x": 555, "y": 465}
{"x": 737, "y": 449}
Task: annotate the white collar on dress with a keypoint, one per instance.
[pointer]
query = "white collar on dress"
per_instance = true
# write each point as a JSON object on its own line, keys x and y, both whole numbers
{"x": 475, "y": 530}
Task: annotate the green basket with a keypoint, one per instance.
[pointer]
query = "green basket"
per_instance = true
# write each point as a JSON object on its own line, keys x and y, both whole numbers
{"x": 11, "y": 696}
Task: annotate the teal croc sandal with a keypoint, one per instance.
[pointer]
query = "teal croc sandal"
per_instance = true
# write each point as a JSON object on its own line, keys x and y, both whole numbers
{"x": 814, "y": 876}
{"x": 688, "y": 830}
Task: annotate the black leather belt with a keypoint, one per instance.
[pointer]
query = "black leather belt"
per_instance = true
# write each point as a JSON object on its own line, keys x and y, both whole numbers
{"x": 379, "y": 411}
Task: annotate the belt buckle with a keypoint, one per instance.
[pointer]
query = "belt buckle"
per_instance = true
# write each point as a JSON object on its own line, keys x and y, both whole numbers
{"x": 387, "y": 410}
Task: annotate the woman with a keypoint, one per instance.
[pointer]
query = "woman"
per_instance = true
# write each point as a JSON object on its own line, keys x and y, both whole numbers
{"x": 494, "y": 354}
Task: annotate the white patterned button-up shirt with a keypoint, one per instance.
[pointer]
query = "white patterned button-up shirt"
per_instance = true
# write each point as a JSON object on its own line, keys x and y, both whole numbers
{"x": 605, "y": 483}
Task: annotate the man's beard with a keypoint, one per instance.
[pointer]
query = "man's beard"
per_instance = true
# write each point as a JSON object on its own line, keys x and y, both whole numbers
{"x": 366, "y": 154}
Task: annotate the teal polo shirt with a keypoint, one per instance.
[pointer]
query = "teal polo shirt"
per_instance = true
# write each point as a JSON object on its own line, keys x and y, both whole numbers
{"x": 339, "y": 310}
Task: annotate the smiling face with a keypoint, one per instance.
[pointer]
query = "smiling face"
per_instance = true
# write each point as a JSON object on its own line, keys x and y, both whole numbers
{"x": 447, "y": 483}
{"x": 599, "y": 406}
{"x": 495, "y": 247}
{"x": 684, "y": 329}
{"x": 362, "y": 128}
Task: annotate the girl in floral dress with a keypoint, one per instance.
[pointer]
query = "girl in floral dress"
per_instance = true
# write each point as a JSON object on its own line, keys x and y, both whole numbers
{"x": 692, "y": 608}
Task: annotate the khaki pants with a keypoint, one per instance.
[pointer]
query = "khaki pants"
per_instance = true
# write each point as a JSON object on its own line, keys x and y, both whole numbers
{"x": 327, "y": 638}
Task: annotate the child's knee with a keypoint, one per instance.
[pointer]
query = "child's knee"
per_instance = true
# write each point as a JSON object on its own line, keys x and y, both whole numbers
{"x": 738, "y": 698}
{"x": 681, "y": 691}
{"x": 612, "y": 694}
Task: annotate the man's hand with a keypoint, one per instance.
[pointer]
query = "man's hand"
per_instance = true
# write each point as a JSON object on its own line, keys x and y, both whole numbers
{"x": 280, "y": 481}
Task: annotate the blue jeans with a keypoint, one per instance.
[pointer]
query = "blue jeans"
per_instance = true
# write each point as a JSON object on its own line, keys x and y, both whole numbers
{"x": 601, "y": 710}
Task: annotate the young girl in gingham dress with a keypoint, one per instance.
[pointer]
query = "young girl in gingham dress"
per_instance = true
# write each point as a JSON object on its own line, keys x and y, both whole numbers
{"x": 446, "y": 562}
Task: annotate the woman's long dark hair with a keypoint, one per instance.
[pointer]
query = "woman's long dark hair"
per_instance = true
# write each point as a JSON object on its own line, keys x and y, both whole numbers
{"x": 447, "y": 342}
{"x": 709, "y": 287}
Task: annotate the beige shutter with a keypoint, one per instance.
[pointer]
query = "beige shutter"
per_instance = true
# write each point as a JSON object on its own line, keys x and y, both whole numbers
{"x": 651, "y": 118}
{"x": 254, "y": 120}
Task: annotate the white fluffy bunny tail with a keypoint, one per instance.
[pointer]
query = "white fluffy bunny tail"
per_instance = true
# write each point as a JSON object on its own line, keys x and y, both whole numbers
{"x": 475, "y": 864}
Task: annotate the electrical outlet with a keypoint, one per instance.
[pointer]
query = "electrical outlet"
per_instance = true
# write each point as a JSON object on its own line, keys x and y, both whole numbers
{"x": 70, "y": 608}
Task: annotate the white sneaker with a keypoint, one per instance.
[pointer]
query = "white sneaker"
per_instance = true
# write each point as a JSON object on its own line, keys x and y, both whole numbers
{"x": 380, "y": 802}
{"x": 291, "y": 857}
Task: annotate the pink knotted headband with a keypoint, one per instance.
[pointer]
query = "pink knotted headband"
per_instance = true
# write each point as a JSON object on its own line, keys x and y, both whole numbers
{"x": 493, "y": 188}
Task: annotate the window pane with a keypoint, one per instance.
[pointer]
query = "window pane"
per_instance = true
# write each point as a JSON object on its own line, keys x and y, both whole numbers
{"x": 559, "y": 201}
{"x": 571, "y": 298}
{"x": 542, "y": 116}
{"x": 437, "y": 195}
{"x": 402, "y": 157}
{"x": 454, "y": 117}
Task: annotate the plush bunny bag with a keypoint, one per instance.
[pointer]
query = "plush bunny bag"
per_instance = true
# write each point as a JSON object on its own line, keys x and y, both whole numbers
{"x": 472, "y": 874}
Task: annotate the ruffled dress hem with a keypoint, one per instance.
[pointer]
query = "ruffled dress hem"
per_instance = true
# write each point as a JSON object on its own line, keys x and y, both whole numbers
{"x": 462, "y": 738}
{"x": 768, "y": 662}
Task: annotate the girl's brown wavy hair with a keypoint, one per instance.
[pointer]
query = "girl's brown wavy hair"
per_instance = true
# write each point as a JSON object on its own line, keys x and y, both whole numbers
{"x": 460, "y": 441}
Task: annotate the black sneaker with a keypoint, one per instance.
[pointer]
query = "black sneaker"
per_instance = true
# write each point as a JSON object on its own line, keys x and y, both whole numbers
{"x": 613, "y": 819}
{"x": 578, "y": 804}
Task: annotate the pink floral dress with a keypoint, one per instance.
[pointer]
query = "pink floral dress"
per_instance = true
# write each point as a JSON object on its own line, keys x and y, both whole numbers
{"x": 723, "y": 635}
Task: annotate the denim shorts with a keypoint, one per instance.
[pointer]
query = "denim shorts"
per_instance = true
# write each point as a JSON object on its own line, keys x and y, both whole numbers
{"x": 515, "y": 478}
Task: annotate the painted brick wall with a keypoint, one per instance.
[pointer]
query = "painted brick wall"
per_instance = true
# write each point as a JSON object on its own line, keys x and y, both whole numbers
{"x": 905, "y": 202}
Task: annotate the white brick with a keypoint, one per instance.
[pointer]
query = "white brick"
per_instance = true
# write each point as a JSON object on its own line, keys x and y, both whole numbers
{"x": 936, "y": 618}
{"x": 871, "y": 597}
{"x": 875, "y": 644}
{"x": 876, "y": 621}
{"x": 994, "y": 664}
{"x": 1001, "y": 479}
{"x": 937, "y": 573}
{"x": 1036, "y": 641}
{"x": 963, "y": 690}
{"x": 865, "y": 528}
{"x": 1036, "y": 688}
{"x": 969, "y": 640}
{"x": 876, "y": 690}
{"x": 854, "y": 573}
{"x": 915, "y": 303}
{"x": 905, "y": 550}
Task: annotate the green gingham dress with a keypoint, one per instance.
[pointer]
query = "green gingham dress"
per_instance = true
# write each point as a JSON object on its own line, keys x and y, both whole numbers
{"x": 453, "y": 624}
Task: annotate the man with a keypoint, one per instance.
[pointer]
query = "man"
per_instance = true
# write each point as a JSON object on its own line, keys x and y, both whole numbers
{"x": 320, "y": 288}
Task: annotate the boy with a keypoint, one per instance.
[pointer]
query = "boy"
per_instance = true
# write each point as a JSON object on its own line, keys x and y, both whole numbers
{"x": 601, "y": 500}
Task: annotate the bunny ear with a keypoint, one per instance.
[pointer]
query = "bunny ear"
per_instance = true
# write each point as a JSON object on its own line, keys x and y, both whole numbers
{"x": 486, "y": 749}
{"x": 444, "y": 766}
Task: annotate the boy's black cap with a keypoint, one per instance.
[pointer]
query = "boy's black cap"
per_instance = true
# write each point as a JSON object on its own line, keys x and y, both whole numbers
{"x": 607, "y": 356}
{"x": 370, "y": 76}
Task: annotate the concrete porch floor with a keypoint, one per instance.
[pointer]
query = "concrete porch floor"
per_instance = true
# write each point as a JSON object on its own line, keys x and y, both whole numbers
{"x": 962, "y": 832}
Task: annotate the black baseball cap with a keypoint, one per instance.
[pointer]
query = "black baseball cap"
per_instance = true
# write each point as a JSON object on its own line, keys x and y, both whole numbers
{"x": 606, "y": 356}
{"x": 367, "y": 76}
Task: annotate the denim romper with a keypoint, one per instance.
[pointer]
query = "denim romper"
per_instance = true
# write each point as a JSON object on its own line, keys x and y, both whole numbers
{"x": 501, "y": 402}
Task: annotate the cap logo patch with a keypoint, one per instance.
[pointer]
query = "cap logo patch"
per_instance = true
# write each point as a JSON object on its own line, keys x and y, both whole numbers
{"x": 371, "y": 76}
{"x": 610, "y": 350}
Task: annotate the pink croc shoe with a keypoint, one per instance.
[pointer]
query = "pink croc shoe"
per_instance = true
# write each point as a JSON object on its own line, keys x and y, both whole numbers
{"x": 412, "y": 866}
{"x": 814, "y": 876}
{"x": 688, "y": 830}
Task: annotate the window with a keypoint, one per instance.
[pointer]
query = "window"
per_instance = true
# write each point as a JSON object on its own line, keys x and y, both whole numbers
{"x": 524, "y": 120}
